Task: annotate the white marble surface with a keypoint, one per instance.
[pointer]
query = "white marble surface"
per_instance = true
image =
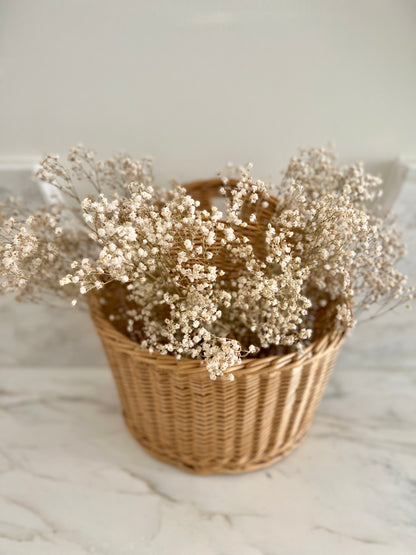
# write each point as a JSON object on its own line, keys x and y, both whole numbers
{"x": 73, "y": 481}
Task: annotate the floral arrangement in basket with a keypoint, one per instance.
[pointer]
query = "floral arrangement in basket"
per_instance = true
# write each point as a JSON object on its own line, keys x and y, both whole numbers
{"x": 267, "y": 274}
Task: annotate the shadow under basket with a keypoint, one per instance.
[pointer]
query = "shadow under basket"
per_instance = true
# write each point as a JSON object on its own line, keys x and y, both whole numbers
{"x": 182, "y": 417}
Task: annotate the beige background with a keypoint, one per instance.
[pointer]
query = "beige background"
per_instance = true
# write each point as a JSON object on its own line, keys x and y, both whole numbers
{"x": 197, "y": 84}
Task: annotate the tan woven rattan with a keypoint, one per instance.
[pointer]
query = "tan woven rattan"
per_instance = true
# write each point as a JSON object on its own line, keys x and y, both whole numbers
{"x": 182, "y": 417}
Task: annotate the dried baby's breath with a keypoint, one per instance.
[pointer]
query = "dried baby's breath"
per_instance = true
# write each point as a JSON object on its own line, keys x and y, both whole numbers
{"x": 317, "y": 249}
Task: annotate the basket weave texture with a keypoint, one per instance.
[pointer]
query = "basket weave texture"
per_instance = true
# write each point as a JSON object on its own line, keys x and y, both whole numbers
{"x": 182, "y": 417}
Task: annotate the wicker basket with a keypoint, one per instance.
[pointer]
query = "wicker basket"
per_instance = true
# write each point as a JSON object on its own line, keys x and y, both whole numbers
{"x": 182, "y": 417}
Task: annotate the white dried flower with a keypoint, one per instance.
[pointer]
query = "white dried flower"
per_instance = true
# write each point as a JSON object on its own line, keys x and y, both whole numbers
{"x": 188, "y": 244}
{"x": 195, "y": 283}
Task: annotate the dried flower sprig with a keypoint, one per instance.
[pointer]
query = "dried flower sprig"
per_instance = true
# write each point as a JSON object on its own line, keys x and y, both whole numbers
{"x": 205, "y": 284}
{"x": 35, "y": 249}
{"x": 82, "y": 167}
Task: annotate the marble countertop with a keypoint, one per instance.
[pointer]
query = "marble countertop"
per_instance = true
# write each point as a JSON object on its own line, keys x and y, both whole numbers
{"x": 73, "y": 481}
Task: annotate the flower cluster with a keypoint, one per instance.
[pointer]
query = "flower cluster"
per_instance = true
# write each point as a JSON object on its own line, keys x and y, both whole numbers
{"x": 194, "y": 281}
{"x": 114, "y": 174}
{"x": 35, "y": 249}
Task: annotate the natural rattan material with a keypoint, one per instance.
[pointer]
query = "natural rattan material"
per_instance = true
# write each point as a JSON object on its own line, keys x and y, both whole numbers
{"x": 182, "y": 417}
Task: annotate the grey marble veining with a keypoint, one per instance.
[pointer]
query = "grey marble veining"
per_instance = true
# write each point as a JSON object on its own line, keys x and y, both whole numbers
{"x": 74, "y": 482}
{"x": 35, "y": 335}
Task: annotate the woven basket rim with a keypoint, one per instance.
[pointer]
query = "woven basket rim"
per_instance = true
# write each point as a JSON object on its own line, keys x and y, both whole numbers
{"x": 330, "y": 340}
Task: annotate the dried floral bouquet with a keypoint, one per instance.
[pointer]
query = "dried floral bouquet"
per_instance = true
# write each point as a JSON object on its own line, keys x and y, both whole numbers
{"x": 268, "y": 274}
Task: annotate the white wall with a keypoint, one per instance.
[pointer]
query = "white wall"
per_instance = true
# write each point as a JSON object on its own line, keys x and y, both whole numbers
{"x": 199, "y": 83}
